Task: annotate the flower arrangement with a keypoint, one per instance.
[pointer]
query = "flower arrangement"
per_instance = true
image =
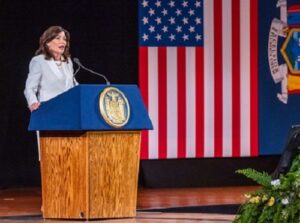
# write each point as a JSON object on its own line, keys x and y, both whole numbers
{"x": 277, "y": 201}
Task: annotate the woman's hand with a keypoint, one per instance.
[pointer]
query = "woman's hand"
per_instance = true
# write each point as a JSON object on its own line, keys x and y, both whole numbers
{"x": 34, "y": 106}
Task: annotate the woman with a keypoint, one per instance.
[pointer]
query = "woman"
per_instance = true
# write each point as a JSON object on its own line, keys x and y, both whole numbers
{"x": 51, "y": 70}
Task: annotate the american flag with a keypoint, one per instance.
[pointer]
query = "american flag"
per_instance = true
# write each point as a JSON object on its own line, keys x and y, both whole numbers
{"x": 198, "y": 77}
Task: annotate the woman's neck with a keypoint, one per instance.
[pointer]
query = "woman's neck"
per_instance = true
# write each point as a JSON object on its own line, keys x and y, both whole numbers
{"x": 57, "y": 56}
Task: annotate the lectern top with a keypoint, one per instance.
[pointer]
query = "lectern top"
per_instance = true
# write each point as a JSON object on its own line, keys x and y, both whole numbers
{"x": 80, "y": 109}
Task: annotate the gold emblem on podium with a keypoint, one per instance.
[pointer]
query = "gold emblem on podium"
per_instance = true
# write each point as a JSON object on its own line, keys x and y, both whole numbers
{"x": 114, "y": 107}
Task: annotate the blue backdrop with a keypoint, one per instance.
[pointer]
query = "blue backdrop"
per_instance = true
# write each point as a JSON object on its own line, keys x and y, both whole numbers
{"x": 275, "y": 118}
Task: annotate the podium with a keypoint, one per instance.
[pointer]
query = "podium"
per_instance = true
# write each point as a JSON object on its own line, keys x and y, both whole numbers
{"x": 89, "y": 167}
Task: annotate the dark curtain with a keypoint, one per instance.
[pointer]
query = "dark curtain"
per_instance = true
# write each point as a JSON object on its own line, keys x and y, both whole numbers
{"x": 103, "y": 37}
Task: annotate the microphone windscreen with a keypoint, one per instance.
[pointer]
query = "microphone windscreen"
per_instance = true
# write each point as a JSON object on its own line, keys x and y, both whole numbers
{"x": 76, "y": 60}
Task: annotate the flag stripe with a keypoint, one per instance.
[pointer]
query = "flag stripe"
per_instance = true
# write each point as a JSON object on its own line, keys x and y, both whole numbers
{"x": 245, "y": 78}
{"x": 199, "y": 102}
{"x": 254, "y": 77}
{"x": 162, "y": 102}
{"x": 181, "y": 101}
{"x": 208, "y": 80}
{"x": 191, "y": 102}
{"x": 227, "y": 78}
{"x": 143, "y": 80}
{"x": 172, "y": 102}
{"x": 218, "y": 77}
{"x": 236, "y": 78}
{"x": 153, "y": 99}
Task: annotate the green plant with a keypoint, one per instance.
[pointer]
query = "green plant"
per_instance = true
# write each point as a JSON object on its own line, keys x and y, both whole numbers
{"x": 277, "y": 201}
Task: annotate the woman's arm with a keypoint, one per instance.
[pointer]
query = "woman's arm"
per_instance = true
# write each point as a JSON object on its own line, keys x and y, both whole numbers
{"x": 32, "y": 84}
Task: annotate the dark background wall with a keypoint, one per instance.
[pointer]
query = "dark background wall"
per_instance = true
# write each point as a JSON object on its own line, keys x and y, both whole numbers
{"x": 104, "y": 38}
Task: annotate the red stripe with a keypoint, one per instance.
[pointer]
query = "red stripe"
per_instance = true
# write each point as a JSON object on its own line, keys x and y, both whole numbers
{"x": 181, "y": 83}
{"x": 143, "y": 81}
{"x": 236, "y": 116}
{"x": 162, "y": 103}
{"x": 293, "y": 91}
{"x": 294, "y": 8}
{"x": 199, "y": 102}
{"x": 254, "y": 78}
{"x": 218, "y": 78}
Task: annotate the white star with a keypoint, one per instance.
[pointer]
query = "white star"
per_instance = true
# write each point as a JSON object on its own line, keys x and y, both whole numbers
{"x": 145, "y": 20}
{"x": 198, "y": 20}
{"x": 171, "y": 4}
{"x": 172, "y": 37}
{"x": 178, "y": 12}
{"x": 158, "y": 20}
{"x": 192, "y": 29}
{"x": 151, "y": 12}
{"x": 185, "y": 37}
{"x": 158, "y": 3}
{"x": 185, "y": 4}
{"x": 191, "y": 12}
{"x": 198, "y": 37}
{"x": 179, "y": 29}
{"x": 151, "y": 29}
{"x": 198, "y": 4}
{"x": 185, "y": 20}
{"x": 145, "y": 37}
{"x": 165, "y": 29}
{"x": 158, "y": 37}
{"x": 172, "y": 20}
{"x": 164, "y": 12}
{"x": 145, "y": 3}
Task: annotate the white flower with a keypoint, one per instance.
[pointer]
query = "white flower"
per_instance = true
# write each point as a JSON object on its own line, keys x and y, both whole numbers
{"x": 275, "y": 183}
{"x": 285, "y": 201}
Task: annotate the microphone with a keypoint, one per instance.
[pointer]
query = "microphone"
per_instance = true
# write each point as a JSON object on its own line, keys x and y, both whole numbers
{"x": 77, "y": 61}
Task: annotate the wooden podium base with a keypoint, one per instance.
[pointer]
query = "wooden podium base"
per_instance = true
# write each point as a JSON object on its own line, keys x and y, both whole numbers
{"x": 89, "y": 175}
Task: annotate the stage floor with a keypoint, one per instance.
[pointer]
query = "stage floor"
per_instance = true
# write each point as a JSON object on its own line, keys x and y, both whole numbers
{"x": 24, "y": 205}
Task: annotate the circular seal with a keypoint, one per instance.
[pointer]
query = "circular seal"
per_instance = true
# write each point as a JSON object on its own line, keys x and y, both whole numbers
{"x": 114, "y": 107}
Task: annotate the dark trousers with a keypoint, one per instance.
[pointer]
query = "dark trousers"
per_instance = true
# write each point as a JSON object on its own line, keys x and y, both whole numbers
{"x": 291, "y": 149}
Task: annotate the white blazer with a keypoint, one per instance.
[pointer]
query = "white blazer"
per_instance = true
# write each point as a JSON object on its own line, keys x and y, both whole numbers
{"x": 45, "y": 80}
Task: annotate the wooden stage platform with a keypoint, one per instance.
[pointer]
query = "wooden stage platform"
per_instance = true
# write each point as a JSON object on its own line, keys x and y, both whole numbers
{"x": 24, "y": 205}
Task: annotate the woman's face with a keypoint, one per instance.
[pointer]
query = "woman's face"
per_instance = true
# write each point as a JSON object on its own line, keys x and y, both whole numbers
{"x": 57, "y": 45}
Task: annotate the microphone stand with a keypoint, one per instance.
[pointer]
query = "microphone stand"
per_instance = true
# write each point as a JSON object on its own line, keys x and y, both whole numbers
{"x": 76, "y": 60}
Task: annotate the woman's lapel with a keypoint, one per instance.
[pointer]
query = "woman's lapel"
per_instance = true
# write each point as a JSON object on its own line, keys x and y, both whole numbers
{"x": 54, "y": 68}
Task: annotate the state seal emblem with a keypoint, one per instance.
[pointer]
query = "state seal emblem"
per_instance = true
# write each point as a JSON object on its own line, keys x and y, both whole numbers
{"x": 287, "y": 27}
{"x": 114, "y": 107}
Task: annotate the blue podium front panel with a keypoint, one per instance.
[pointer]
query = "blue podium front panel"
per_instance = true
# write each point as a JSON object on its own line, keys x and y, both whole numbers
{"x": 78, "y": 109}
